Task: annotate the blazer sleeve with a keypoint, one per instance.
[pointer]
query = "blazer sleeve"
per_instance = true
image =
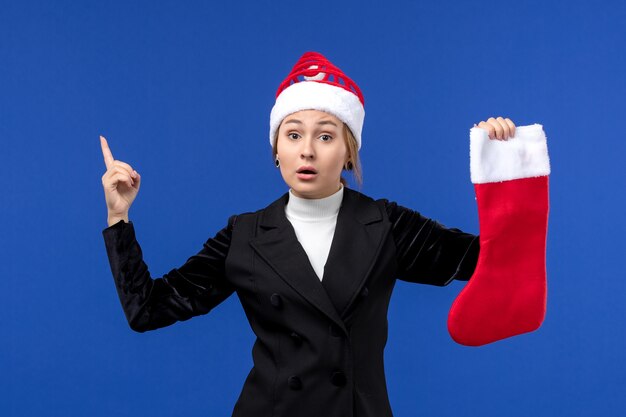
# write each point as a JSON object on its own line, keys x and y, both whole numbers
{"x": 193, "y": 289}
{"x": 428, "y": 252}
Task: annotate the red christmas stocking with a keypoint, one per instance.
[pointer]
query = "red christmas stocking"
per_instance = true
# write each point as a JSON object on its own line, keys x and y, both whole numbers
{"x": 506, "y": 295}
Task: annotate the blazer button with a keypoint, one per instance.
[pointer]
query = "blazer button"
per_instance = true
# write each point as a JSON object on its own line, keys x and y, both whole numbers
{"x": 296, "y": 338}
{"x": 365, "y": 292}
{"x": 294, "y": 383}
{"x": 338, "y": 379}
{"x": 335, "y": 331}
{"x": 276, "y": 300}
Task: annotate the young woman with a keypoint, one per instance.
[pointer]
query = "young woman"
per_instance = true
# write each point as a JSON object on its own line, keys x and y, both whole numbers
{"x": 314, "y": 270}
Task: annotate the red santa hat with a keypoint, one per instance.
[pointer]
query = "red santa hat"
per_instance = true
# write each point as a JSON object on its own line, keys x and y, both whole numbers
{"x": 314, "y": 83}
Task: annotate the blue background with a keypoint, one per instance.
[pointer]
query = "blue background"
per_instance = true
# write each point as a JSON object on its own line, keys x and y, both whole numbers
{"x": 183, "y": 90}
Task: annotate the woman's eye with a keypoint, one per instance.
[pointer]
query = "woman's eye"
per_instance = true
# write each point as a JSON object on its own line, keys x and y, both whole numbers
{"x": 293, "y": 135}
{"x": 325, "y": 138}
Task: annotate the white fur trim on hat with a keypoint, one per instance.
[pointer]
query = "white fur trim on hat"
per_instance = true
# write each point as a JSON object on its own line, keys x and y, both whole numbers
{"x": 312, "y": 95}
{"x": 524, "y": 155}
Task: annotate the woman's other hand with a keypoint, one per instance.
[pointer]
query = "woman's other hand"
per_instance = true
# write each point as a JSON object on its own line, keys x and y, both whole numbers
{"x": 498, "y": 128}
{"x": 121, "y": 185}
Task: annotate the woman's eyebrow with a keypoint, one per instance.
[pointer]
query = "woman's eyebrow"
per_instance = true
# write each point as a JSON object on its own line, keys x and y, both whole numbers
{"x": 321, "y": 122}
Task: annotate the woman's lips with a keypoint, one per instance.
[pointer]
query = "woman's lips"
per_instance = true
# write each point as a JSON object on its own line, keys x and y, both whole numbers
{"x": 305, "y": 176}
{"x": 306, "y": 172}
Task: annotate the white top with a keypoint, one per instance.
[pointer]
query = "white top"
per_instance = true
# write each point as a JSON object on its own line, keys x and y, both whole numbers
{"x": 314, "y": 222}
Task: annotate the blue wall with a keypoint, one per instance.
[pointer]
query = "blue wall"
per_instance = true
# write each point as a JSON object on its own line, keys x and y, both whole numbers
{"x": 183, "y": 91}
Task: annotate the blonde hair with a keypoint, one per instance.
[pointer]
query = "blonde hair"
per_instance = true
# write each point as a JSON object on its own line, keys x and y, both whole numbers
{"x": 354, "y": 162}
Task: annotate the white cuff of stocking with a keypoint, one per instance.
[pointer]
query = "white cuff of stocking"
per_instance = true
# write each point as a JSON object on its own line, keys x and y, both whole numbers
{"x": 524, "y": 155}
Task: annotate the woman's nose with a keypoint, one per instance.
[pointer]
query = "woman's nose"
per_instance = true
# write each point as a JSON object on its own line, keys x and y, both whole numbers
{"x": 308, "y": 150}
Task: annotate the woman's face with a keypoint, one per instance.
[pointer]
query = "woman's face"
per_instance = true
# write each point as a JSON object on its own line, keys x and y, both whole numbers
{"x": 313, "y": 139}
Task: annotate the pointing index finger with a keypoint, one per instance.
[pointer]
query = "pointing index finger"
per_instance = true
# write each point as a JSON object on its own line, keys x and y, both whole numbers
{"x": 108, "y": 156}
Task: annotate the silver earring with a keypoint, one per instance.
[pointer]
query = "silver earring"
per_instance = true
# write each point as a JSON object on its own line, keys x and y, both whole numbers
{"x": 277, "y": 162}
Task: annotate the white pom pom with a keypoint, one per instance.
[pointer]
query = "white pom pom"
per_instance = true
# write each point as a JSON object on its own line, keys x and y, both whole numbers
{"x": 318, "y": 77}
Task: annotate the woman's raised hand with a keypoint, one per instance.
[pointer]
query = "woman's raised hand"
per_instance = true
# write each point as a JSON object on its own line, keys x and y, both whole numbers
{"x": 498, "y": 128}
{"x": 121, "y": 185}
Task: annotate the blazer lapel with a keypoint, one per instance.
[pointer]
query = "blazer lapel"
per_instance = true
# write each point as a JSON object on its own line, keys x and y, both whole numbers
{"x": 359, "y": 235}
{"x": 278, "y": 245}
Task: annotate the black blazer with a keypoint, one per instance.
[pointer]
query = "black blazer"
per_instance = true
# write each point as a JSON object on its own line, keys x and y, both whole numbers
{"x": 319, "y": 347}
